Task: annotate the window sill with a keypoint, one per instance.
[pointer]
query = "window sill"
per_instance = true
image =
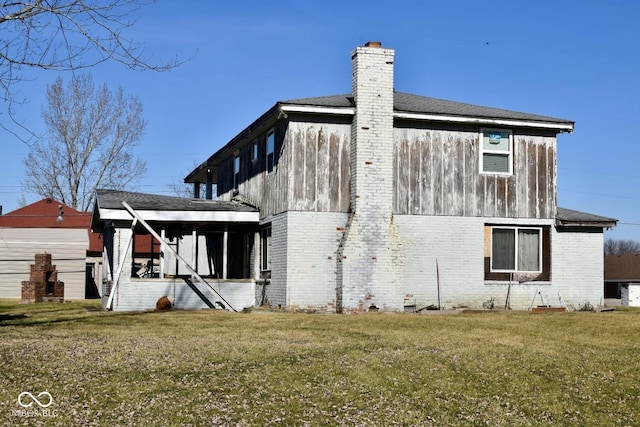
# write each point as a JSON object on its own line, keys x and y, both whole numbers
{"x": 515, "y": 282}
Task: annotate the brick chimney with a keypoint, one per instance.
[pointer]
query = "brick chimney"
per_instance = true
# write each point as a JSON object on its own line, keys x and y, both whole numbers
{"x": 366, "y": 270}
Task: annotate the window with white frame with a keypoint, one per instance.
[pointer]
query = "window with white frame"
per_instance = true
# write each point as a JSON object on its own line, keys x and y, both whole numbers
{"x": 497, "y": 151}
{"x": 516, "y": 249}
{"x": 271, "y": 142}
{"x": 266, "y": 249}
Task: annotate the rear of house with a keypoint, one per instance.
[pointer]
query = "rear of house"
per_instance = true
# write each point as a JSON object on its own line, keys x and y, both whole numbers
{"x": 385, "y": 200}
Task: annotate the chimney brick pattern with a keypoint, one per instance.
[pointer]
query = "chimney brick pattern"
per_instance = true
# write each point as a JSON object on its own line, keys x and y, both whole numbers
{"x": 367, "y": 274}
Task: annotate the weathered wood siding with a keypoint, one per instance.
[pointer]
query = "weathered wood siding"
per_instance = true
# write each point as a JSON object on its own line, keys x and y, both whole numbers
{"x": 311, "y": 170}
{"x": 437, "y": 172}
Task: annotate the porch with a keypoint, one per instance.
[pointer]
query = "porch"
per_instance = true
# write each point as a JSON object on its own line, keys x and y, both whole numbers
{"x": 198, "y": 253}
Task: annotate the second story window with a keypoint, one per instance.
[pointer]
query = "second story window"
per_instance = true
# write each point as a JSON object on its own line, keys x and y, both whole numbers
{"x": 254, "y": 150}
{"x": 497, "y": 151}
{"x": 271, "y": 142}
{"x": 236, "y": 171}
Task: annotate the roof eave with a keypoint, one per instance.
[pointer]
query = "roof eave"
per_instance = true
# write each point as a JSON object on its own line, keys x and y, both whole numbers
{"x": 559, "y": 126}
{"x": 586, "y": 224}
{"x": 180, "y": 215}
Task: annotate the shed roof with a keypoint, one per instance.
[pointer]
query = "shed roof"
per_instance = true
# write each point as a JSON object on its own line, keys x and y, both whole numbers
{"x": 622, "y": 268}
{"x": 571, "y": 218}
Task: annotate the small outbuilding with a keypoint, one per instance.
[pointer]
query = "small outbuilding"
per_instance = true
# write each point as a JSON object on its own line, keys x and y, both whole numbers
{"x": 622, "y": 279}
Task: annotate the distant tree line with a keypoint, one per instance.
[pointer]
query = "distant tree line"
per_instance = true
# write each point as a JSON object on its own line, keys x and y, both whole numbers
{"x": 621, "y": 247}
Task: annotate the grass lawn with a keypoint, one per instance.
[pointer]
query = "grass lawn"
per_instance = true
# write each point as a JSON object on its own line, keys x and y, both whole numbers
{"x": 261, "y": 368}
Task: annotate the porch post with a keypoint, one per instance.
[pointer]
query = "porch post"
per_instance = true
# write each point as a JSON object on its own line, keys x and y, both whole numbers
{"x": 194, "y": 250}
{"x": 163, "y": 237}
{"x": 196, "y": 190}
{"x": 257, "y": 255}
{"x": 225, "y": 247}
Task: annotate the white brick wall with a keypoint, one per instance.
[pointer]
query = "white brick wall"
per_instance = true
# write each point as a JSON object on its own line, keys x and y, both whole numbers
{"x": 577, "y": 268}
{"x": 457, "y": 243}
{"x": 311, "y": 265}
{"x": 142, "y": 294}
{"x": 303, "y": 259}
{"x": 276, "y": 291}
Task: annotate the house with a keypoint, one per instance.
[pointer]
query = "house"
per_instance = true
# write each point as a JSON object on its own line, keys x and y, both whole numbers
{"x": 373, "y": 200}
{"x": 622, "y": 279}
{"x": 381, "y": 200}
{"x": 53, "y": 227}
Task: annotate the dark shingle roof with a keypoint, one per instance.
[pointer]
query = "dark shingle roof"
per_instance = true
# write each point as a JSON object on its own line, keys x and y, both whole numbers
{"x": 620, "y": 268}
{"x": 112, "y": 199}
{"x": 409, "y": 103}
{"x": 570, "y": 217}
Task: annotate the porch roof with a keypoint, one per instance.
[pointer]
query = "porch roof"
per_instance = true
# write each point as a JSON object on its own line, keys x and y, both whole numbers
{"x": 168, "y": 209}
{"x": 571, "y": 218}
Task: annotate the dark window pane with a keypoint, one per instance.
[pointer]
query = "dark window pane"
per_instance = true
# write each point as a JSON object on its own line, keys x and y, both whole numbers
{"x": 503, "y": 249}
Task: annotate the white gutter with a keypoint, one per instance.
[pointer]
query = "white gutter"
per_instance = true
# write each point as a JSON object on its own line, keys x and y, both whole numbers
{"x": 182, "y": 216}
{"x": 485, "y": 121}
{"x": 348, "y": 111}
{"x": 344, "y": 111}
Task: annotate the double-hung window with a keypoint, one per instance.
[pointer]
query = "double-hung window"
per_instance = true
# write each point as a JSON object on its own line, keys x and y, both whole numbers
{"x": 497, "y": 151}
{"x": 271, "y": 142}
{"x": 516, "y": 249}
{"x": 266, "y": 249}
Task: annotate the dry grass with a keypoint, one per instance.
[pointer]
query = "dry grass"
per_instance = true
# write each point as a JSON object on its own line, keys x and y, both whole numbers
{"x": 219, "y": 368}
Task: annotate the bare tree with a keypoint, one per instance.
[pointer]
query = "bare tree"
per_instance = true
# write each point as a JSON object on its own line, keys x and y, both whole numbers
{"x": 64, "y": 35}
{"x": 621, "y": 247}
{"x": 90, "y": 136}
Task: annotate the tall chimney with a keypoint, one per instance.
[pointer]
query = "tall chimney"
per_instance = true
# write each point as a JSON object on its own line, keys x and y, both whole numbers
{"x": 366, "y": 279}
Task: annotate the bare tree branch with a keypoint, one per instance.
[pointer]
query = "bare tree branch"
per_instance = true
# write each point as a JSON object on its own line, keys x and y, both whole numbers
{"x": 65, "y": 35}
{"x": 91, "y": 133}
{"x": 621, "y": 247}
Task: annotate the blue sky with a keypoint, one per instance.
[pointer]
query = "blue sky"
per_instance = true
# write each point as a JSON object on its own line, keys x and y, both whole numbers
{"x": 576, "y": 60}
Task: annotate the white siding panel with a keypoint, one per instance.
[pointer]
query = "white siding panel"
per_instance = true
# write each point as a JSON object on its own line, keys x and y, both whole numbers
{"x": 67, "y": 247}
